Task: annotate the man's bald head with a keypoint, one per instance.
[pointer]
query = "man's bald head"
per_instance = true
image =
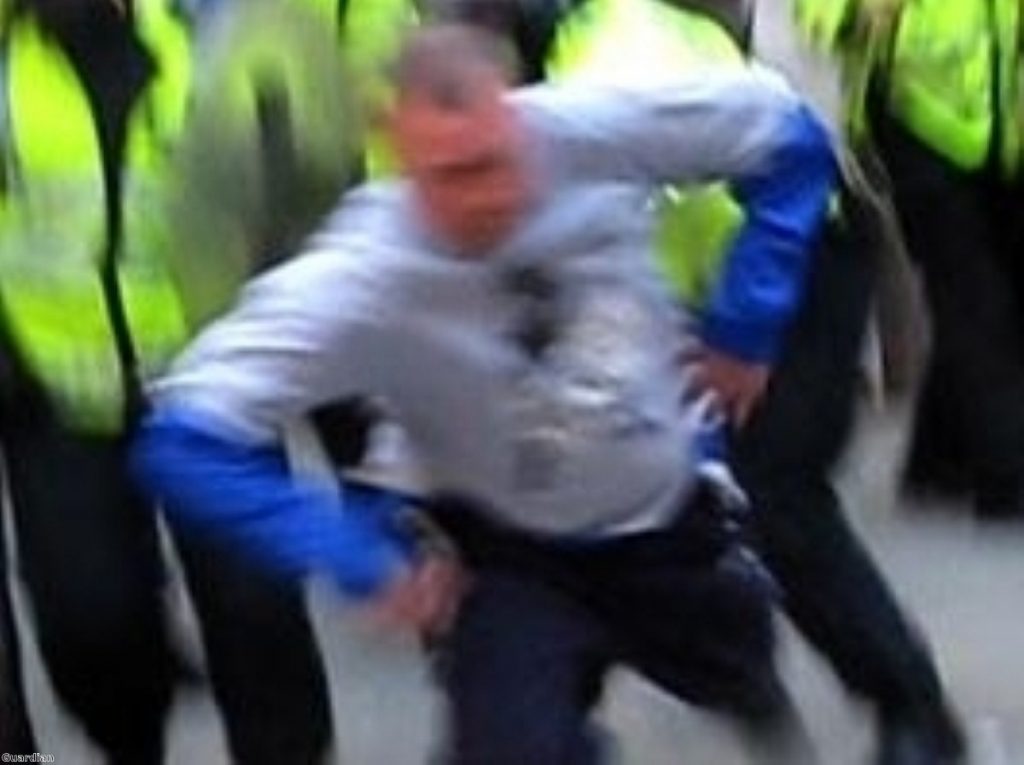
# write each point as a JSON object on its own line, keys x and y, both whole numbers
{"x": 448, "y": 63}
{"x": 456, "y": 136}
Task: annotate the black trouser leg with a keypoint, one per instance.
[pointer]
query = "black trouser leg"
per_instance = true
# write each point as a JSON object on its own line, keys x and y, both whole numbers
{"x": 263, "y": 660}
{"x": 778, "y": 738}
{"x": 961, "y": 237}
{"x": 838, "y": 600}
{"x": 833, "y": 590}
{"x": 15, "y": 732}
{"x": 89, "y": 557}
{"x": 524, "y": 661}
{"x": 937, "y": 462}
{"x": 684, "y": 606}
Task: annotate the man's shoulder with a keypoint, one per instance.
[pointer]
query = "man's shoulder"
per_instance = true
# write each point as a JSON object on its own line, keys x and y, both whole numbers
{"x": 357, "y": 252}
{"x": 371, "y": 216}
{"x": 566, "y": 98}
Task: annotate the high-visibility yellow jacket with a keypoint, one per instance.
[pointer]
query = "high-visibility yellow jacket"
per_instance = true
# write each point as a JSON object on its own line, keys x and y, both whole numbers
{"x": 276, "y": 132}
{"x": 272, "y": 139}
{"x": 53, "y": 226}
{"x": 643, "y": 42}
{"x": 953, "y": 69}
{"x": 372, "y": 33}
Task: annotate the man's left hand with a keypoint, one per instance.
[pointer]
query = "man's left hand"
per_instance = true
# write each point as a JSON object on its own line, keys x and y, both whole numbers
{"x": 423, "y": 599}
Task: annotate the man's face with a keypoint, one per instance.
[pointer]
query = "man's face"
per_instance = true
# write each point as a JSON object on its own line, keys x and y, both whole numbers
{"x": 467, "y": 164}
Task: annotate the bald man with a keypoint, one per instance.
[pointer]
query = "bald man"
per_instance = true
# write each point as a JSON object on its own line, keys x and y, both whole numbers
{"x": 502, "y": 298}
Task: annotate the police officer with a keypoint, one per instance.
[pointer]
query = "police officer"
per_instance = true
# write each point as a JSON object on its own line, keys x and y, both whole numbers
{"x": 96, "y": 94}
{"x": 943, "y": 104}
{"x": 833, "y": 590}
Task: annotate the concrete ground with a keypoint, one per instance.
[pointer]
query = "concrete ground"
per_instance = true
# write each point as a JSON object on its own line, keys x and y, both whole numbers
{"x": 962, "y": 582}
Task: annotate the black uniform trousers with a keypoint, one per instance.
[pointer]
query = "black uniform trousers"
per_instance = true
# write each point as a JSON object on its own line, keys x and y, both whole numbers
{"x": 91, "y": 563}
{"x": 784, "y": 457}
{"x": 966, "y": 233}
{"x": 15, "y": 730}
{"x": 545, "y": 620}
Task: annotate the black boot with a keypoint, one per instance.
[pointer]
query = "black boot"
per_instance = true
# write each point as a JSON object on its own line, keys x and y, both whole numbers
{"x": 932, "y": 739}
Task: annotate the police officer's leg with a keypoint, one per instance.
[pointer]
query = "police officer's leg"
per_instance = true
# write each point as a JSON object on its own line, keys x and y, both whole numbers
{"x": 937, "y": 462}
{"x": 525, "y": 663}
{"x": 832, "y": 589}
{"x": 1006, "y": 215}
{"x": 15, "y": 731}
{"x": 264, "y": 664}
{"x": 1009, "y": 211}
{"x": 977, "y": 346}
{"x": 89, "y": 557}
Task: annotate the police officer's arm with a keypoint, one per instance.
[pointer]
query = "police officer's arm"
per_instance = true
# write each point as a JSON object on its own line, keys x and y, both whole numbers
{"x": 746, "y": 128}
{"x": 211, "y": 449}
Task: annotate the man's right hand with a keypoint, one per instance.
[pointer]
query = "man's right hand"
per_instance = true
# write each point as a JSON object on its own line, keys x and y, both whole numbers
{"x": 738, "y": 385}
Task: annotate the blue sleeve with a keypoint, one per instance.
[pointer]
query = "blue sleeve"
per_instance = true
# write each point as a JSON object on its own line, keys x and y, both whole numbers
{"x": 242, "y": 496}
{"x": 785, "y": 201}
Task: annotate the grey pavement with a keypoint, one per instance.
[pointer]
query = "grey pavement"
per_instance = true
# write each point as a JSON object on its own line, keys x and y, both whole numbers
{"x": 962, "y": 582}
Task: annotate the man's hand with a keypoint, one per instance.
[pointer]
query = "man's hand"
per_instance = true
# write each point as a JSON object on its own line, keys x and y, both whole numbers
{"x": 423, "y": 599}
{"x": 739, "y": 385}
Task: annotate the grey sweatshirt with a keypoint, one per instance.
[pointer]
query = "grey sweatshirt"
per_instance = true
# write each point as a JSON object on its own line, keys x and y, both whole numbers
{"x": 584, "y": 432}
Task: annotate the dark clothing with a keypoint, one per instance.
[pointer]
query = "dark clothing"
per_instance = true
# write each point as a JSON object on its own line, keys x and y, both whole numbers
{"x": 268, "y": 678}
{"x": 111, "y": 62}
{"x": 832, "y": 589}
{"x": 88, "y": 542}
{"x": 532, "y": 25}
{"x": 90, "y": 561}
{"x": 89, "y": 552}
{"x": 15, "y": 732}
{"x": 546, "y": 620}
{"x": 529, "y": 25}
{"x": 966, "y": 232}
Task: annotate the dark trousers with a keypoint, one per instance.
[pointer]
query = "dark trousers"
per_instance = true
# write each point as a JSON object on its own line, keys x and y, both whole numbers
{"x": 90, "y": 560}
{"x": 15, "y": 731}
{"x": 966, "y": 232}
{"x": 544, "y": 622}
{"x": 832, "y": 590}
